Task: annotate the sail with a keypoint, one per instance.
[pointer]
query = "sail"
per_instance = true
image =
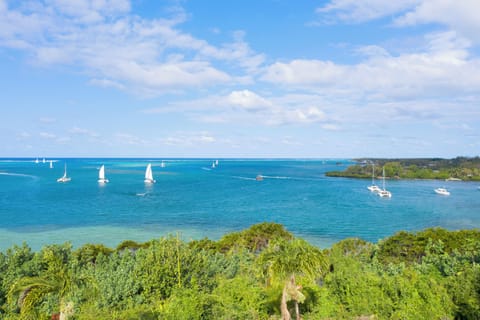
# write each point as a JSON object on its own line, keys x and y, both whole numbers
{"x": 149, "y": 174}
{"x": 101, "y": 173}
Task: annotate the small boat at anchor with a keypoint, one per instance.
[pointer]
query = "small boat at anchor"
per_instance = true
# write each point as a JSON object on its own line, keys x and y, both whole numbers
{"x": 64, "y": 178}
{"x": 442, "y": 191}
{"x": 374, "y": 188}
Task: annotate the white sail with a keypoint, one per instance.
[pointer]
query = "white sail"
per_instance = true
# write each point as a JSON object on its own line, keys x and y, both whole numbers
{"x": 149, "y": 174}
{"x": 101, "y": 175}
{"x": 51, "y": 164}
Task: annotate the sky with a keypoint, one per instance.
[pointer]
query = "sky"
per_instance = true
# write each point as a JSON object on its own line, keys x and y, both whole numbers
{"x": 239, "y": 78}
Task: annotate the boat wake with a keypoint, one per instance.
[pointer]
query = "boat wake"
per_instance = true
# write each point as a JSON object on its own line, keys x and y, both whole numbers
{"x": 244, "y": 178}
{"x": 18, "y": 175}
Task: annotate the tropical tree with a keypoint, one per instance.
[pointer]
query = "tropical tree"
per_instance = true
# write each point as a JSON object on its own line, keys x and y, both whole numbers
{"x": 57, "y": 279}
{"x": 287, "y": 260}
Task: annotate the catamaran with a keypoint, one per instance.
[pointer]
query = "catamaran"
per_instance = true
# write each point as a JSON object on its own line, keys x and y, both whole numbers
{"x": 384, "y": 193}
{"x": 374, "y": 187}
{"x": 64, "y": 178}
{"x": 101, "y": 175}
{"x": 149, "y": 174}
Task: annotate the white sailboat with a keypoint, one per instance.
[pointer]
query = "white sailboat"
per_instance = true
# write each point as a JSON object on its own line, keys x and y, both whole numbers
{"x": 213, "y": 165}
{"x": 101, "y": 175}
{"x": 216, "y": 162}
{"x": 384, "y": 193}
{"x": 64, "y": 178}
{"x": 374, "y": 187}
{"x": 51, "y": 164}
{"x": 162, "y": 165}
{"x": 149, "y": 174}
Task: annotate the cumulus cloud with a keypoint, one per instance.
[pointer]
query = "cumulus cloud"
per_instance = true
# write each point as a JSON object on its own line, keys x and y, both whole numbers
{"x": 248, "y": 100}
{"x": 444, "y": 68}
{"x": 119, "y": 49}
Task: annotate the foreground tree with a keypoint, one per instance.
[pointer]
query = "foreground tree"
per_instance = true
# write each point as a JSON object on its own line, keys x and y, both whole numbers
{"x": 287, "y": 261}
{"x": 57, "y": 279}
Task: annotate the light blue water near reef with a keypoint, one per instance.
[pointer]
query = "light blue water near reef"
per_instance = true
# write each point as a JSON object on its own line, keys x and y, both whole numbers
{"x": 196, "y": 201}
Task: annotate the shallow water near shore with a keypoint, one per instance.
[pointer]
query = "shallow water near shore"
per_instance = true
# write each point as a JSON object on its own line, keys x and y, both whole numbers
{"x": 194, "y": 200}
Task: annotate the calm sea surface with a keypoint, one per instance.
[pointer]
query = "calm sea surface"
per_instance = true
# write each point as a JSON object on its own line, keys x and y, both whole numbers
{"x": 196, "y": 201}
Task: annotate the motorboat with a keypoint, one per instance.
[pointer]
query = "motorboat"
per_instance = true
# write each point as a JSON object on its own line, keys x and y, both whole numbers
{"x": 442, "y": 191}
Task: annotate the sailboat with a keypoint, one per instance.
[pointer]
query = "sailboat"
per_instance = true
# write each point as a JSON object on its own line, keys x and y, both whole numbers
{"x": 384, "y": 193}
{"x": 64, "y": 178}
{"x": 51, "y": 164}
{"x": 149, "y": 174}
{"x": 101, "y": 175}
{"x": 213, "y": 165}
{"x": 162, "y": 165}
{"x": 374, "y": 187}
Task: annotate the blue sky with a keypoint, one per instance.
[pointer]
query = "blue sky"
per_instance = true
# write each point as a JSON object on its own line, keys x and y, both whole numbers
{"x": 239, "y": 78}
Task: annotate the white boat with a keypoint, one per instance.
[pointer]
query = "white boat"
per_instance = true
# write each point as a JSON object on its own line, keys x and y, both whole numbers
{"x": 149, "y": 174}
{"x": 216, "y": 162}
{"x": 442, "y": 191}
{"x": 101, "y": 175}
{"x": 384, "y": 193}
{"x": 374, "y": 187}
{"x": 64, "y": 178}
{"x": 162, "y": 165}
{"x": 36, "y": 160}
{"x": 43, "y": 161}
{"x": 51, "y": 164}
{"x": 213, "y": 165}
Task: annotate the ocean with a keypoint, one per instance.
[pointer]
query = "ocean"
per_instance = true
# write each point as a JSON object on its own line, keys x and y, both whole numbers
{"x": 194, "y": 200}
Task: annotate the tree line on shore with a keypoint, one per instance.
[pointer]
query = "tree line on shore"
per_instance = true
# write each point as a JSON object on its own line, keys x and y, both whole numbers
{"x": 263, "y": 272}
{"x": 463, "y": 168}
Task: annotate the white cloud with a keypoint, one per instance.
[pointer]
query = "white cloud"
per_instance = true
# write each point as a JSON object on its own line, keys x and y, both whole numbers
{"x": 127, "y": 138}
{"x": 365, "y": 10}
{"x": 444, "y": 69}
{"x": 461, "y": 16}
{"x": 248, "y": 100}
{"x": 189, "y": 139}
{"x": 122, "y": 50}
{"x": 48, "y": 135}
{"x": 83, "y": 132}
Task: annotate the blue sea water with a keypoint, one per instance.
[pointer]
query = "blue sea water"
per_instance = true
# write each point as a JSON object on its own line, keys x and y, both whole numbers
{"x": 194, "y": 200}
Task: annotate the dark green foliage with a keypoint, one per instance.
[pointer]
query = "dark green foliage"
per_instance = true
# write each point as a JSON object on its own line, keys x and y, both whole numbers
{"x": 412, "y": 247}
{"x": 132, "y": 245}
{"x": 88, "y": 253}
{"x": 460, "y": 168}
{"x": 256, "y": 238}
{"x": 430, "y": 274}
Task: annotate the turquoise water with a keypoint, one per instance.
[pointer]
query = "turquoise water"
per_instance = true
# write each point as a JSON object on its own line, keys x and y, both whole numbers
{"x": 196, "y": 201}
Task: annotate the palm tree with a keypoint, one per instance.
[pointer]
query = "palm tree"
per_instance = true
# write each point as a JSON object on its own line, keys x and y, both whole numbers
{"x": 285, "y": 260}
{"x": 28, "y": 291}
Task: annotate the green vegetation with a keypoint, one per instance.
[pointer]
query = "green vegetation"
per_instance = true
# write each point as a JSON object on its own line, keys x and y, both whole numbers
{"x": 259, "y": 273}
{"x": 467, "y": 169}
